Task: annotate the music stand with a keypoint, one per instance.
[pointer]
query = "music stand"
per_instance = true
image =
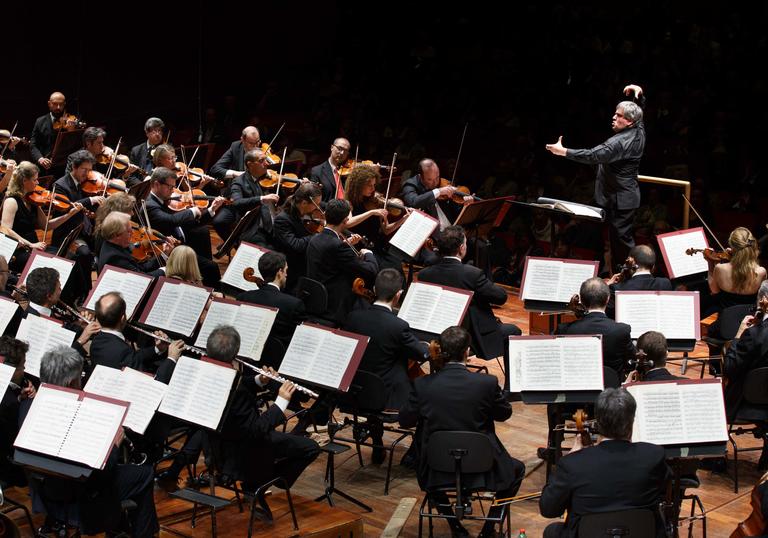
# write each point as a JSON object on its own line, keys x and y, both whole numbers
{"x": 71, "y": 237}
{"x": 234, "y": 238}
{"x": 140, "y": 191}
{"x": 66, "y": 143}
{"x": 480, "y": 217}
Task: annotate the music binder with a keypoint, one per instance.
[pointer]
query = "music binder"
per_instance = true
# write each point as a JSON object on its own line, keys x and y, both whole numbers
{"x": 8, "y": 246}
{"x": 433, "y": 308}
{"x": 571, "y": 208}
{"x": 41, "y": 333}
{"x": 411, "y": 235}
{"x": 246, "y": 255}
{"x": 72, "y": 425}
{"x": 6, "y": 373}
{"x": 673, "y": 246}
{"x": 675, "y": 314}
{"x": 39, "y": 258}
{"x": 175, "y": 306}
{"x": 130, "y": 284}
{"x": 253, "y": 323}
{"x": 549, "y": 283}
{"x": 323, "y": 356}
{"x": 8, "y": 308}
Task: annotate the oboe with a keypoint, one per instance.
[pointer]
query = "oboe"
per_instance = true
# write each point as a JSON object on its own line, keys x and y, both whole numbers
{"x": 279, "y": 379}
{"x": 187, "y": 347}
{"x": 61, "y": 308}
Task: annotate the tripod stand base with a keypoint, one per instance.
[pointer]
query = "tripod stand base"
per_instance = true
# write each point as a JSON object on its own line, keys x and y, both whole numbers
{"x": 330, "y": 478}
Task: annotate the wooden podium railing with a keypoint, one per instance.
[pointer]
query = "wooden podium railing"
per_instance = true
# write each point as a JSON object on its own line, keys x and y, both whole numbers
{"x": 677, "y": 183}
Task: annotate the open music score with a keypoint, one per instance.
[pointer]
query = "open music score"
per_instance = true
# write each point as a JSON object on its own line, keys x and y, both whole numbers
{"x": 198, "y": 391}
{"x": 555, "y": 363}
{"x": 323, "y": 356}
{"x": 175, "y": 306}
{"x": 6, "y": 373}
{"x": 673, "y": 246}
{"x": 675, "y": 314}
{"x": 8, "y": 247}
{"x": 72, "y": 425}
{"x": 573, "y": 208}
{"x": 247, "y": 255}
{"x": 38, "y": 258}
{"x": 139, "y": 389}
{"x": 131, "y": 285}
{"x": 410, "y": 237}
{"x": 679, "y": 412}
{"x": 253, "y": 323}
{"x": 554, "y": 280}
{"x": 8, "y": 308}
{"x": 433, "y": 308}
{"x": 41, "y": 334}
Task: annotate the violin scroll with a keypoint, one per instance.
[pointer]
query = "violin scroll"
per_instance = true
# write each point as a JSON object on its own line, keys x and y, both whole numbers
{"x": 249, "y": 274}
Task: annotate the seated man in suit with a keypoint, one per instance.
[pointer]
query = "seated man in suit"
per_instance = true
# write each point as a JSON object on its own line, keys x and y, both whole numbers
{"x": 335, "y": 263}
{"x": 616, "y": 474}
{"x": 391, "y": 346}
{"x": 643, "y": 258}
{"x": 327, "y": 172}
{"x": 453, "y": 398}
{"x": 116, "y": 232}
{"x": 489, "y": 335}
{"x": 246, "y": 429}
{"x": 109, "y": 347}
{"x": 617, "y": 343}
{"x": 141, "y": 154}
{"x": 19, "y": 389}
{"x": 274, "y": 271}
{"x": 654, "y": 345}
{"x": 102, "y": 493}
{"x": 232, "y": 163}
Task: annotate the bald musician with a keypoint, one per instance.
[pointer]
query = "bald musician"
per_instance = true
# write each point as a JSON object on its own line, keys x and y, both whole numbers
{"x": 232, "y": 163}
{"x": 327, "y": 173}
{"x": 43, "y": 135}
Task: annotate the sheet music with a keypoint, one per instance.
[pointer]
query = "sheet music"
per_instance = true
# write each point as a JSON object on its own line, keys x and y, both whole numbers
{"x": 47, "y": 421}
{"x": 142, "y": 391}
{"x": 674, "y": 413}
{"x": 254, "y": 324}
{"x": 554, "y": 280}
{"x": 92, "y": 433}
{"x": 302, "y": 351}
{"x": 198, "y": 392}
{"x": 433, "y": 309}
{"x": 41, "y": 334}
{"x": 38, "y": 259}
{"x": 130, "y": 285}
{"x": 8, "y": 246}
{"x": 578, "y": 209}
{"x": 555, "y": 364}
{"x": 247, "y": 255}
{"x": 177, "y": 308}
{"x": 674, "y": 314}
{"x": 219, "y": 313}
{"x": 6, "y": 373}
{"x": 678, "y": 262}
{"x": 8, "y": 308}
{"x": 412, "y": 234}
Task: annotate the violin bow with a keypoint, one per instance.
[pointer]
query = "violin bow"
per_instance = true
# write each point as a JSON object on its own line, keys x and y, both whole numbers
{"x": 703, "y": 223}
{"x": 357, "y": 150}
{"x": 50, "y": 207}
{"x": 185, "y": 175}
{"x": 269, "y": 146}
{"x": 389, "y": 182}
{"x": 458, "y": 156}
{"x": 280, "y": 174}
{"x": 111, "y": 167}
{"x": 5, "y": 147}
{"x": 146, "y": 226}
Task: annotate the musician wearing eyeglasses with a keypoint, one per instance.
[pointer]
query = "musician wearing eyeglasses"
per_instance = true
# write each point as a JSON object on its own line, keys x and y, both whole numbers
{"x": 141, "y": 154}
{"x": 328, "y": 174}
{"x": 232, "y": 163}
{"x": 116, "y": 231}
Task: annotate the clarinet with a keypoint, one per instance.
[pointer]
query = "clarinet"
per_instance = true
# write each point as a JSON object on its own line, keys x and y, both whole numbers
{"x": 187, "y": 347}
{"x": 278, "y": 378}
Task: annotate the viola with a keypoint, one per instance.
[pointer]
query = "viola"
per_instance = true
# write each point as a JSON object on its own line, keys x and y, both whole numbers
{"x": 145, "y": 242}
{"x": 196, "y": 175}
{"x": 42, "y": 197}
{"x": 249, "y": 274}
{"x": 627, "y": 270}
{"x": 313, "y": 225}
{"x": 68, "y": 122}
{"x": 712, "y": 255}
{"x": 288, "y": 182}
{"x": 348, "y": 166}
{"x": 122, "y": 162}
{"x": 395, "y": 207}
{"x": 640, "y": 364}
{"x": 96, "y": 183}
{"x": 181, "y": 200}
{"x": 272, "y": 158}
{"x": 577, "y": 306}
{"x": 359, "y": 289}
{"x": 460, "y": 192}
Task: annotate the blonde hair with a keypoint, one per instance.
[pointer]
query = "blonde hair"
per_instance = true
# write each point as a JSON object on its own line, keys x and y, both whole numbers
{"x": 744, "y": 257}
{"x": 182, "y": 264}
{"x": 24, "y": 170}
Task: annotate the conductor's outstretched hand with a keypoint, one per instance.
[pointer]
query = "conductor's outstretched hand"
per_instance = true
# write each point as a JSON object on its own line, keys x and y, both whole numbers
{"x": 557, "y": 148}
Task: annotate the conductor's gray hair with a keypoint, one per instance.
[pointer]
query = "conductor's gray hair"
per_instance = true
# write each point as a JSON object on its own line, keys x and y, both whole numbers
{"x": 632, "y": 112}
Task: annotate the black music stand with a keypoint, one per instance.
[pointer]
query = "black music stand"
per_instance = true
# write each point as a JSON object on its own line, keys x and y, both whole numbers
{"x": 140, "y": 191}
{"x": 234, "y": 238}
{"x": 67, "y": 243}
{"x": 66, "y": 143}
{"x": 480, "y": 217}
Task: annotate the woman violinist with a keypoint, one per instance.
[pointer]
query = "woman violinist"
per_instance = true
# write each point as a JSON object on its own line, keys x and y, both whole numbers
{"x": 21, "y": 218}
{"x": 369, "y": 218}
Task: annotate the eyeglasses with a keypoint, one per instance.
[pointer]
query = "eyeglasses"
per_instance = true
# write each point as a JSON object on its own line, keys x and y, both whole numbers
{"x": 340, "y": 148}
{"x": 171, "y": 185}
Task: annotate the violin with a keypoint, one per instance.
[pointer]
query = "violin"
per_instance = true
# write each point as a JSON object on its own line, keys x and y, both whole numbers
{"x": 42, "y": 198}
{"x": 460, "y": 192}
{"x": 249, "y": 274}
{"x": 348, "y": 166}
{"x": 96, "y": 183}
{"x": 711, "y": 254}
{"x": 6, "y": 137}
{"x": 755, "y": 524}
{"x": 627, "y": 270}
{"x": 5, "y": 163}
{"x": 181, "y": 200}
{"x": 641, "y": 364}
{"x": 394, "y": 206}
{"x": 288, "y": 182}
{"x": 272, "y": 158}
{"x": 196, "y": 175}
{"x": 122, "y": 162}
{"x": 577, "y": 306}
{"x": 313, "y": 225}
{"x": 359, "y": 289}
{"x": 145, "y": 242}
{"x": 68, "y": 122}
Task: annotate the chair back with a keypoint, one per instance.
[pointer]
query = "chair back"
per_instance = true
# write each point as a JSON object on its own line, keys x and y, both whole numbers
{"x": 469, "y": 452}
{"x": 730, "y": 319}
{"x": 314, "y": 295}
{"x": 367, "y": 393}
{"x": 639, "y": 523}
{"x": 756, "y": 387}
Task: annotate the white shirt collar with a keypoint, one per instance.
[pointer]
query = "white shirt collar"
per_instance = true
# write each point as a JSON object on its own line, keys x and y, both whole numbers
{"x": 452, "y": 258}
{"x": 642, "y": 272}
{"x": 333, "y": 166}
{"x": 114, "y": 333}
{"x": 385, "y": 305}
{"x": 275, "y": 285}
{"x": 44, "y": 310}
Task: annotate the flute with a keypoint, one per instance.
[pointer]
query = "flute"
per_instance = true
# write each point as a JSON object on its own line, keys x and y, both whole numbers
{"x": 187, "y": 347}
{"x": 278, "y": 378}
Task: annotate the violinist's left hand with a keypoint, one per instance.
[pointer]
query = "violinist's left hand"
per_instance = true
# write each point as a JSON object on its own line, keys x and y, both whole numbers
{"x": 468, "y": 199}
{"x": 217, "y": 203}
{"x": 745, "y": 324}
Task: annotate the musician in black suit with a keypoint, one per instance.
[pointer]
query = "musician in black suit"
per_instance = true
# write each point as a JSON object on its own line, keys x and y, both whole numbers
{"x": 188, "y": 225}
{"x": 19, "y": 389}
{"x": 273, "y": 268}
{"x": 327, "y": 173}
{"x": 246, "y": 194}
{"x": 643, "y": 259}
{"x": 104, "y": 490}
{"x": 489, "y": 335}
{"x": 618, "y": 161}
{"x": 290, "y": 234}
{"x": 141, "y": 154}
{"x": 18, "y": 314}
{"x": 43, "y": 136}
{"x": 246, "y": 430}
{"x": 232, "y": 163}
{"x": 116, "y": 232}
{"x": 617, "y": 343}
{"x": 334, "y": 262}
{"x": 617, "y": 474}
{"x": 654, "y": 345}
{"x": 109, "y": 347}
{"x": 454, "y": 399}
